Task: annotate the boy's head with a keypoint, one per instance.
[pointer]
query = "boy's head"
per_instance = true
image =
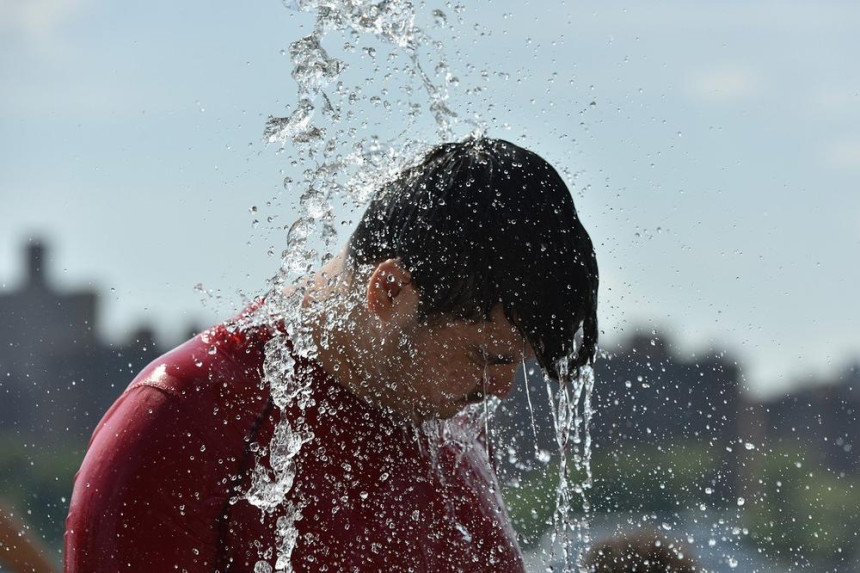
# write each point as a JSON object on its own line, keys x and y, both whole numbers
{"x": 484, "y": 227}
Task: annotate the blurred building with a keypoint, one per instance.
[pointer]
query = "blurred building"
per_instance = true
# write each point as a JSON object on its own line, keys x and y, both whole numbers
{"x": 650, "y": 400}
{"x": 650, "y": 394}
{"x": 57, "y": 374}
{"x": 823, "y": 415}
{"x": 645, "y": 394}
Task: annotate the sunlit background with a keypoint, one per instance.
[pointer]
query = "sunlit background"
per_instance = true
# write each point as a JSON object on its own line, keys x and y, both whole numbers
{"x": 713, "y": 150}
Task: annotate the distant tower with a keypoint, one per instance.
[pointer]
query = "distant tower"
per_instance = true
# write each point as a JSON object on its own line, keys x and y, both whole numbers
{"x": 36, "y": 264}
{"x": 56, "y": 375}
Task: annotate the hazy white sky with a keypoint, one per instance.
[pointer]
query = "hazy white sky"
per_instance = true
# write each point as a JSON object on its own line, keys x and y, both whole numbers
{"x": 717, "y": 171}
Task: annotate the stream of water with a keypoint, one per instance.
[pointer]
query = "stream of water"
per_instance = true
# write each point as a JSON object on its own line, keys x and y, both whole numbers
{"x": 333, "y": 135}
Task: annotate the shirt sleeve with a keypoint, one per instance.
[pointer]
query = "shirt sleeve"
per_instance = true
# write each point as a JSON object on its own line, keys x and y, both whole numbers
{"x": 149, "y": 493}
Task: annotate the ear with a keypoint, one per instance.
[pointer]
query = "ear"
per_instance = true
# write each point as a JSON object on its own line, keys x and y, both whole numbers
{"x": 390, "y": 291}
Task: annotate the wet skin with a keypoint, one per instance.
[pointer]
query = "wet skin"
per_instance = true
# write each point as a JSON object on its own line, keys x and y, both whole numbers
{"x": 445, "y": 366}
{"x": 419, "y": 369}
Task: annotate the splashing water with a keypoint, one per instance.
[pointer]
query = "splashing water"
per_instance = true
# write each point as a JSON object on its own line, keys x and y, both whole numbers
{"x": 571, "y": 418}
{"x": 327, "y": 133}
{"x": 529, "y": 401}
{"x": 339, "y": 166}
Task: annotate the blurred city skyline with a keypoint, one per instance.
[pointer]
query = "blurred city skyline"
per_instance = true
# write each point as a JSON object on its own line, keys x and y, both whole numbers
{"x": 39, "y": 278}
{"x": 717, "y": 169}
{"x": 674, "y": 436}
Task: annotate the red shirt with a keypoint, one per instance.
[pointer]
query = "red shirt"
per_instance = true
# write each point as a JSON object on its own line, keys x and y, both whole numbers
{"x": 160, "y": 488}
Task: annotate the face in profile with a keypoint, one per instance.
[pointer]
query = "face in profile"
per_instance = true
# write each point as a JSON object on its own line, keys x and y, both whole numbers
{"x": 451, "y": 364}
{"x": 435, "y": 368}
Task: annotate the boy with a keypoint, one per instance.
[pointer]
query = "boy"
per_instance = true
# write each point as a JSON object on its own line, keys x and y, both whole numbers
{"x": 467, "y": 264}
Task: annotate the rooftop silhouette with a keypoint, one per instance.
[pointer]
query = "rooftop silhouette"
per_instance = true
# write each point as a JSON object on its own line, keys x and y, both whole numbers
{"x": 60, "y": 374}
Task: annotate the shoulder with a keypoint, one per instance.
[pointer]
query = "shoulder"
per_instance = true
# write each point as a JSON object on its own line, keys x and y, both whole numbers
{"x": 160, "y": 462}
{"x": 223, "y": 354}
{"x": 188, "y": 395}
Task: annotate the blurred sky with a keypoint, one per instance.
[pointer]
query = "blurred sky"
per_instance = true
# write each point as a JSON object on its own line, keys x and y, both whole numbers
{"x": 717, "y": 169}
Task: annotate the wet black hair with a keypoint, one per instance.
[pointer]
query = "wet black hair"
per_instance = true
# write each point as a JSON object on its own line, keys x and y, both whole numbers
{"x": 484, "y": 222}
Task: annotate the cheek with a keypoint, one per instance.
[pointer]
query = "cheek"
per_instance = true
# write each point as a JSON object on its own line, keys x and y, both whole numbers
{"x": 509, "y": 372}
{"x": 444, "y": 372}
{"x": 440, "y": 380}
